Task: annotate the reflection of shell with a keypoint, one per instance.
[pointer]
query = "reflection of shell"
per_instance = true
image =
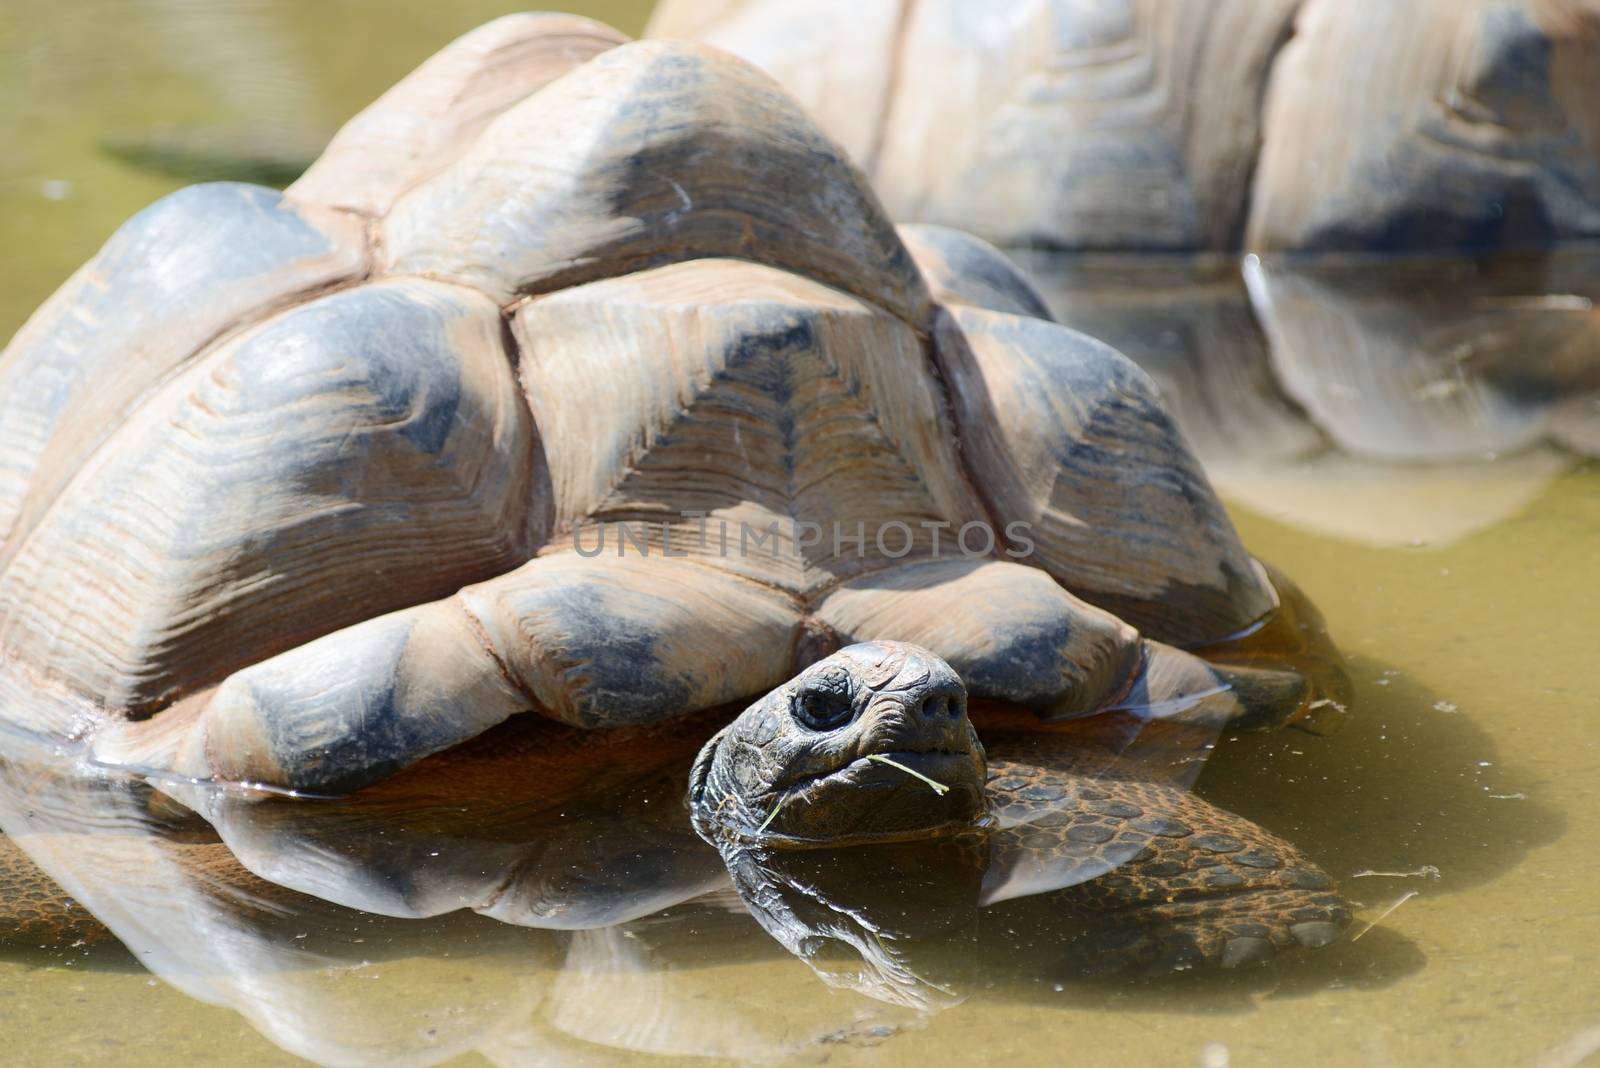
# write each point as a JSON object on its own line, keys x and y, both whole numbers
{"x": 1188, "y": 323}
{"x": 1374, "y": 367}
{"x": 1420, "y": 360}
{"x": 1140, "y": 124}
{"x": 1391, "y": 505}
{"x": 1575, "y": 422}
{"x": 340, "y": 987}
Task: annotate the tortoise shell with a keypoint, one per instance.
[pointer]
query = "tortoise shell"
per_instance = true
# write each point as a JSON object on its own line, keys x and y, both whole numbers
{"x": 297, "y": 489}
{"x": 1279, "y": 126}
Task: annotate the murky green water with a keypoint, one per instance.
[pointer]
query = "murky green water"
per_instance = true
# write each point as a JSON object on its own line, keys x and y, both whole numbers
{"x": 194, "y": 82}
{"x": 1465, "y": 590}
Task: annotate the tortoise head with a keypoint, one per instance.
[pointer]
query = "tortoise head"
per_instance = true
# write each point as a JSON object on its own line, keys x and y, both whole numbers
{"x": 872, "y": 742}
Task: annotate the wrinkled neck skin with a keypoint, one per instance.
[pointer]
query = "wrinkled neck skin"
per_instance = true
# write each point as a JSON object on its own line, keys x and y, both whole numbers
{"x": 889, "y": 920}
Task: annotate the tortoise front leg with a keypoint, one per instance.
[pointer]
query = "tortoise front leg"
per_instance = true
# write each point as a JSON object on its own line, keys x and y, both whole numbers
{"x": 1209, "y": 887}
{"x": 592, "y": 642}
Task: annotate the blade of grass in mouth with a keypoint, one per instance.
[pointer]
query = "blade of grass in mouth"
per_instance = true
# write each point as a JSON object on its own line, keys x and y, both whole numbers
{"x": 772, "y": 815}
{"x": 938, "y": 787}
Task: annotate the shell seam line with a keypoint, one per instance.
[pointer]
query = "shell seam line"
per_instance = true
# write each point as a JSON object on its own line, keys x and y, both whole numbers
{"x": 522, "y": 298}
{"x": 257, "y": 316}
{"x": 481, "y": 633}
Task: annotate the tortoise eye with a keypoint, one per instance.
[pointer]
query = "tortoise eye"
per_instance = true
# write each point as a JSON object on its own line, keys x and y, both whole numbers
{"x": 823, "y": 710}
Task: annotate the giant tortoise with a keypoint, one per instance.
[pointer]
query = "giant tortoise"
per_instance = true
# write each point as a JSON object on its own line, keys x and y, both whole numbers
{"x": 1280, "y": 126}
{"x": 1417, "y": 185}
{"x": 588, "y": 378}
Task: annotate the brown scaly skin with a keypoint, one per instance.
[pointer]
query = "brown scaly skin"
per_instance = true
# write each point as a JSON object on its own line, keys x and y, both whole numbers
{"x": 1205, "y": 885}
{"x": 34, "y": 911}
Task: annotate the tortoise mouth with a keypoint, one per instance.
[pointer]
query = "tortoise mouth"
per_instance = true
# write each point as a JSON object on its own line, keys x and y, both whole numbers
{"x": 954, "y": 765}
{"x": 891, "y": 793}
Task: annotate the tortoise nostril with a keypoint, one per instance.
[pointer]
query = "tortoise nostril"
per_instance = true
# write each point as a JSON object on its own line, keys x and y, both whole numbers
{"x": 936, "y": 705}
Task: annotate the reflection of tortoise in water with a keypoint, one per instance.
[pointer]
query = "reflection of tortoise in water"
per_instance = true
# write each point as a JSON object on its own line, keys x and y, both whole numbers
{"x": 298, "y": 491}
